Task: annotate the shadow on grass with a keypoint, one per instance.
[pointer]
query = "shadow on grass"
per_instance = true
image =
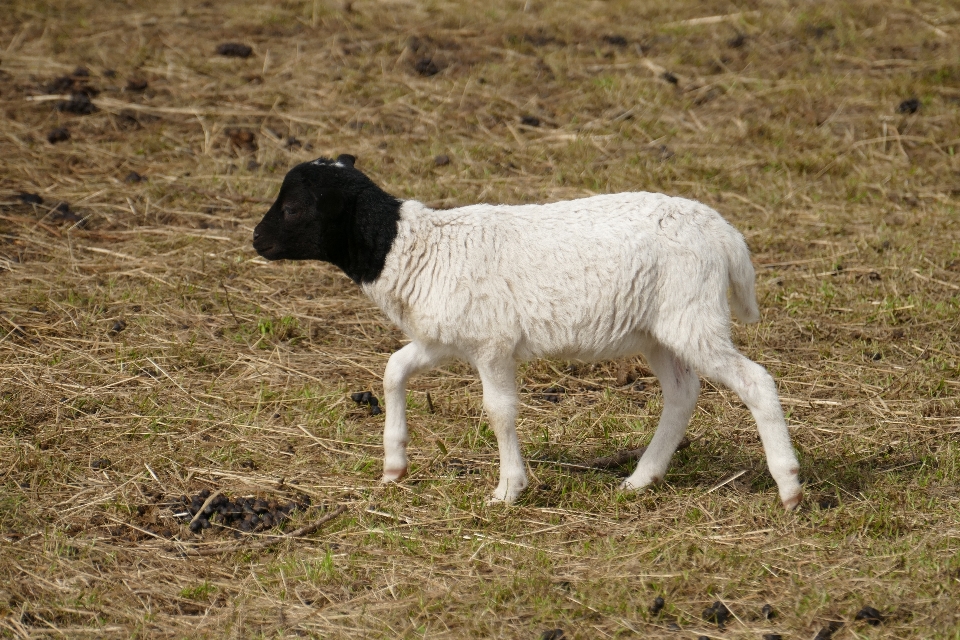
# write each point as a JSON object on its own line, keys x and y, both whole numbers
{"x": 828, "y": 480}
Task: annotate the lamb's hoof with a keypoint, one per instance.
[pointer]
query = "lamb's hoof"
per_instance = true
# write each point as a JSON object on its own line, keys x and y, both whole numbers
{"x": 393, "y": 475}
{"x": 633, "y": 484}
{"x": 505, "y": 496}
{"x": 493, "y": 500}
{"x": 791, "y": 503}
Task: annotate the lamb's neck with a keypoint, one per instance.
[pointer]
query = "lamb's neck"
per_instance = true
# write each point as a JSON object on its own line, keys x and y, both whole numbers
{"x": 367, "y": 235}
{"x": 398, "y": 285}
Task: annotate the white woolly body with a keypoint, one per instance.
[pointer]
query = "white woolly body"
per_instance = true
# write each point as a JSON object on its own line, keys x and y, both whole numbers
{"x": 597, "y": 278}
{"x": 589, "y": 279}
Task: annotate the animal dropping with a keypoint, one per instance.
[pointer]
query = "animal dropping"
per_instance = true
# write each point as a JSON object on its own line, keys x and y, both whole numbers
{"x": 717, "y": 613}
{"x": 234, "y": 50}
{"x": 737, "y": 41}
{"x": 60, "y": 134}
{"x": 137, "y": 85}
{"x": 29, "y": 198}
{"x": 243, "y": 139}
{"x": 869, "y": 615}
{"x": 826, "y": 633}
{"x": 367, "y": 398}
{"x": 241, "y": 514}
{"x": 909, "y": 106}
{"x": 669, "y": 77}
{"x": 426, "y": 67}
{"x": 78, "y": 103}
{"x": 63, "y": 213}
{"x": 657, "y": 606}
{"x": 599, "y": 278}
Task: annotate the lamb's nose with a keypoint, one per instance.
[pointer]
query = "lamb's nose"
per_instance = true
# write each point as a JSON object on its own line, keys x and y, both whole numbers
{"x": 256, "y": 233}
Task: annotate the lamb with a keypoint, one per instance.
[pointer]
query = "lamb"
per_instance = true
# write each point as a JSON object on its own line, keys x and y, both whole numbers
{"x": 591, "y": 279}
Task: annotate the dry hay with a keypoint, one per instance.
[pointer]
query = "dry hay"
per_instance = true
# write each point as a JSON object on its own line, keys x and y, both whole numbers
{"x": 146, "y": 352}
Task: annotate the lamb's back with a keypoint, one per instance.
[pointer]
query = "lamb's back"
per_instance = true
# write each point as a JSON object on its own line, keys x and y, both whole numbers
{"x": 572, "y": 279}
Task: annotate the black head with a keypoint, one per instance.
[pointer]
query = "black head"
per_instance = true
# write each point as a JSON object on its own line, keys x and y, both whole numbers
{"x": 328, "y": 210}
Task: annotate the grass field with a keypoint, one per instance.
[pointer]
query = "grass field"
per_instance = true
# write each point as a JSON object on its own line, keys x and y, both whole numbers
{"x": 146, "y": 352}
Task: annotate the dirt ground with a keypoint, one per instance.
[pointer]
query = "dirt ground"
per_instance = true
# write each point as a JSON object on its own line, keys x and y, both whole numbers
{"x": 149, "y": 358}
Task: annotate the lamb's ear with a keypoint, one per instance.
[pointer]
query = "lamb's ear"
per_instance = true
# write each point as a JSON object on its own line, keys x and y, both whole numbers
{"x": 346, "y": 159}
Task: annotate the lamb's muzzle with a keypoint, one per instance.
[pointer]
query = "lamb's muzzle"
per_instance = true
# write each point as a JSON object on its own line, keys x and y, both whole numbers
{"x": 591, "y": 279}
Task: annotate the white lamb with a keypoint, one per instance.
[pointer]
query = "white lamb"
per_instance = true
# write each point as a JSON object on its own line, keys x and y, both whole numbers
{"x": 592, "y": 279}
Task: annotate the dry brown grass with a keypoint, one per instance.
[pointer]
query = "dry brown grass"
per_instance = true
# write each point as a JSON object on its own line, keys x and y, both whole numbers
{"x": 151, "y": 336}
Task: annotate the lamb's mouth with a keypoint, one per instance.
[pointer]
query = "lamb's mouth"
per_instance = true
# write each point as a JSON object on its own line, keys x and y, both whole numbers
{"x": 270, "y": 253}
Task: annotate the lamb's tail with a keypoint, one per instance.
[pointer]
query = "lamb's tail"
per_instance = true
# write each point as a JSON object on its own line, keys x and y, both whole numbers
{"x": 743, "y": 298}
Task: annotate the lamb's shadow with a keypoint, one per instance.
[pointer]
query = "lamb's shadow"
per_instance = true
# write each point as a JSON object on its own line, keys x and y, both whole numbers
{"x": 852, "y": 476}
{"x": 827, "y": 479}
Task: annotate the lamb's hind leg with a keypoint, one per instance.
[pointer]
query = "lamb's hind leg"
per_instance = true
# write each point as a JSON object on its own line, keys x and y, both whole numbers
{"x": 758, "y": 391}
{"x": 500, "y": 403}
{"x": 405, "y": 363}
{"x": 680, "y": 390}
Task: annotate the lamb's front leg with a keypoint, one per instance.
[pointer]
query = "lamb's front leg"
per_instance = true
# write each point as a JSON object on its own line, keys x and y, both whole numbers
{"x": 500, "y": 403}
{"x": 405, "y": 363}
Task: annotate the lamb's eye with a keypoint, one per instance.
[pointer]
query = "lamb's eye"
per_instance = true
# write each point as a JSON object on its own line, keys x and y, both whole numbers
{"x": 289, "y": 212}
